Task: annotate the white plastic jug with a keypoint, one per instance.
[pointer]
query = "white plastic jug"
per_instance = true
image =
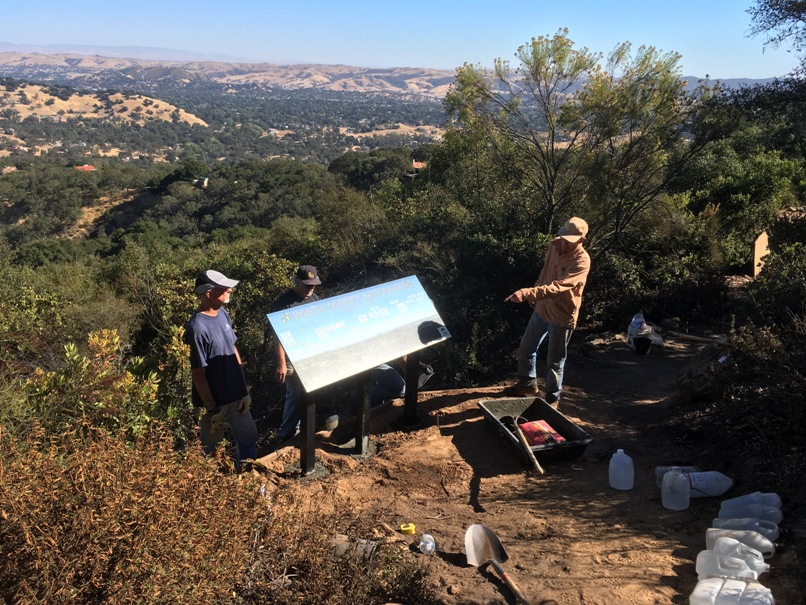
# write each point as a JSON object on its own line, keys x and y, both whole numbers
{"x": 751, "y": 538}
{"x": 723, "y": 591}
{"x": 711, "y": 564}
{"x": 709, "y": 484}
{"x": 733, "y": 548}
{"x": 768, "y": 513}
{"x": 768, "y": 529}
{"x": 756, "y": 594}
{"x": 637, "y": 327}
{"x": 660, "y": 471}
{"x": 675, "y": 490}
{"x": 763, "y": 498}
{"x": 622, "y": 472}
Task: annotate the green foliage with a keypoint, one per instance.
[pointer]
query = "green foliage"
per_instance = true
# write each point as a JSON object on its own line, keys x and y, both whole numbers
{"x": 54, "y": 305}
{"x": 366, "y": 171}
{"x": 103, "y": 388}
{"x": 776, "y": 112}
{"x": 781, "y": 21}
{"x": 569, "y": 136}
{"x": 780, "y": 289}
{"x": 519, "y": 115}
{"x": 666, "y": 264}
{"x": 172, "y": 405}
{"x": 157, "y": 280}
{"x": 738, "y": 187}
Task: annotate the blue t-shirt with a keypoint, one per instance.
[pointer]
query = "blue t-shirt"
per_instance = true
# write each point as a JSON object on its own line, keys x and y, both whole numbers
{"x": 212, "y": 346}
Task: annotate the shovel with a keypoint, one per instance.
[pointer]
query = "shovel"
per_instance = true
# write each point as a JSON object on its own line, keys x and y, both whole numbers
{"x": 482, "y": 547}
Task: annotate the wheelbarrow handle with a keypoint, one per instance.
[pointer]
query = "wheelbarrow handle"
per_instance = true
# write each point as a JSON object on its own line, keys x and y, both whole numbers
{"x": 528, "y": 448}
{"x": 509, "y": 582}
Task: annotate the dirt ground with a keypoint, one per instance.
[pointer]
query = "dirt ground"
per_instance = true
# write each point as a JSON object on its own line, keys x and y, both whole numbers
{"x": 569, "y": 536}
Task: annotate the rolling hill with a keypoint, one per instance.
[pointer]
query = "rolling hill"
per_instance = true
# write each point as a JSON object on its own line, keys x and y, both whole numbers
{"x": 112, "y": 72}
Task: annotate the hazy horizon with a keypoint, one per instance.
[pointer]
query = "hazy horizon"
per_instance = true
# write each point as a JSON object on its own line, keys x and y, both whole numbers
{"x": 710, "y": 36}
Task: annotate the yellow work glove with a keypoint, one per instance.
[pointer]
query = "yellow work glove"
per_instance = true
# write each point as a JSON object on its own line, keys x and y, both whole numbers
{"x": 219, "y": 421}
{"x": 244, "y": 403}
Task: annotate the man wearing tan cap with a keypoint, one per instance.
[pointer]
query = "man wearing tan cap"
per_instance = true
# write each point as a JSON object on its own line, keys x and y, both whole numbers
{"x": 556, "y": 298}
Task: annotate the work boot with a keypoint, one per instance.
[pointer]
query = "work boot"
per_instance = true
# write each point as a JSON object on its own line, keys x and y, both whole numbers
{"x": 522, "y": 388}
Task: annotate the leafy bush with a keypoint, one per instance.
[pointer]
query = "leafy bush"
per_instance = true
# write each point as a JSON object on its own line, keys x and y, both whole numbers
{"x": 780, "y": 289}
{"x": 103, "y": 388}
{"x": 54, "y": 305}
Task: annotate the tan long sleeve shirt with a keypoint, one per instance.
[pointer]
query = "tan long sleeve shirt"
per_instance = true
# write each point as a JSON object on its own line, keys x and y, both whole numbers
{"x": 557, "y": 294}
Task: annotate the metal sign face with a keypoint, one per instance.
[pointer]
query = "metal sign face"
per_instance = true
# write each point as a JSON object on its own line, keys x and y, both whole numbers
{"x": 335, "y": 338}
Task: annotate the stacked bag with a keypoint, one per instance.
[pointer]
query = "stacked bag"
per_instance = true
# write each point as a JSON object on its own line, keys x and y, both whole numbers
{"x": 738, "y": 544}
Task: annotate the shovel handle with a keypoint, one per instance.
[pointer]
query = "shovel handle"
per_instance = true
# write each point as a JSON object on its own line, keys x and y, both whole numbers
{"x": 509, "y": 582}
{"x": 529, "y": 451}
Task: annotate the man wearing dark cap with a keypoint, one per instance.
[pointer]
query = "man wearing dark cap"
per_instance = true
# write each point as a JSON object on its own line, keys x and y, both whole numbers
{"x": 305, "y": 280}
{"x": 556, "y": 298}
{"x": 219, "y": 385}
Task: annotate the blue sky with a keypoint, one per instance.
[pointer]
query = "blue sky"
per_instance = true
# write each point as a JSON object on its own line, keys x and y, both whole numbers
{"x": 711, "y": 35}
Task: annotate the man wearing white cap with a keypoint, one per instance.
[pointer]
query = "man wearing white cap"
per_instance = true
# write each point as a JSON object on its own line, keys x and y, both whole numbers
{"x": 219, "y": 385}
{"x": 556, "y": 298}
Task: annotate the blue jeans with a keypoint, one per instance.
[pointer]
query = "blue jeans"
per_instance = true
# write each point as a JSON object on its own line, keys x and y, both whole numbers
{"x": 242, "y": 427}
{"x": 292, "y": 410}
{"x": 536, "y": 331}
{"x": 387, "y": 383}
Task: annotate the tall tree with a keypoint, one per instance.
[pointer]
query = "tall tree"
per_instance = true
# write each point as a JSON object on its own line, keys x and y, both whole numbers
{"x": 781, "y": 21}
{"x": 576, "y": 136}
{"x": 520, "y": 112}
{"x": 637, "y": 118}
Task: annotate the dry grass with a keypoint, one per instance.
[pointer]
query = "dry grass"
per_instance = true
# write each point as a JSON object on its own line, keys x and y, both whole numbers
{"x": 111, "y": 523}
{"x": 134, "y": 108}
{"x": 95, "y": 520}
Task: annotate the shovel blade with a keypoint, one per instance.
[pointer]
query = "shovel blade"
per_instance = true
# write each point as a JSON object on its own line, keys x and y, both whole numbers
{"x": 482, "y": 546}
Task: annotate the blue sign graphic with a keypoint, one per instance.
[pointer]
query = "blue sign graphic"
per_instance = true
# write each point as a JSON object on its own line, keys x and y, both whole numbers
{"x": 335, "y": 338}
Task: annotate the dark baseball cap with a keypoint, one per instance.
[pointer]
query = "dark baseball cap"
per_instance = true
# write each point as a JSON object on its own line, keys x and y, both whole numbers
{"x": 308, "y": 275}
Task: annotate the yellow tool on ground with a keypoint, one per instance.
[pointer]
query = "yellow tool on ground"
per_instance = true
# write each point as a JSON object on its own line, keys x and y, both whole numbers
{"x": 408, "y": 529}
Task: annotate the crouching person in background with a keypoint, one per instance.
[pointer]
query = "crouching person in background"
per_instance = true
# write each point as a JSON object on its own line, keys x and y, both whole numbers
{"x": 219, "y": 385}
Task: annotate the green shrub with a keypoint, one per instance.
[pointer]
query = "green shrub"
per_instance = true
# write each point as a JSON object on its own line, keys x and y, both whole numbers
{"x": 103, "y": 388}
{"x": 780, "y": 289}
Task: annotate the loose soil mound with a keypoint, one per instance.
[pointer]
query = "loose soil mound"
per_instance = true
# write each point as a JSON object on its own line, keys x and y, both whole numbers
{"x": 569, "y": 536}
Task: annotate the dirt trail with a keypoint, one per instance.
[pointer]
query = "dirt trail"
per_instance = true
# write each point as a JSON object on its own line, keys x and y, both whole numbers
{"x": 569, "y": 536}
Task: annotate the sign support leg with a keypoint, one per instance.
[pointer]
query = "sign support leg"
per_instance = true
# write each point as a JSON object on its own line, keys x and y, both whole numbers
{"x": 409, "y": 419}
{"x": 362, "y": 417}
{"x": 307, "y": 454}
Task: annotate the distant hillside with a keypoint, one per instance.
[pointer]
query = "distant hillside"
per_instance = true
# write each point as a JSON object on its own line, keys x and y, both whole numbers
{"x": 89, "y": 105}
{"x": 130, "y": 52}
{"x": 114, "y": 72}
{"x": 57, "y": 103}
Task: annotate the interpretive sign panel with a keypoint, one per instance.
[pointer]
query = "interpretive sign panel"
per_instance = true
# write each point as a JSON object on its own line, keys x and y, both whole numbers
{"x": 335, "y": 338}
